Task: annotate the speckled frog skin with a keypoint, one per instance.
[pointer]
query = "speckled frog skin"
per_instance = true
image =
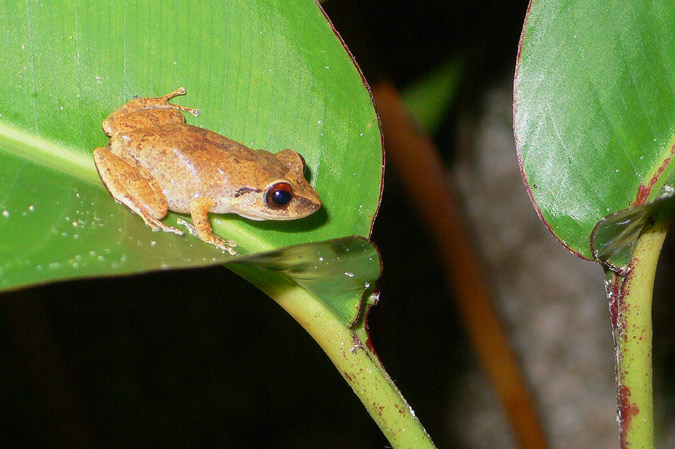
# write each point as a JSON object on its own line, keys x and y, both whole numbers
{"x": 155, "y": 162}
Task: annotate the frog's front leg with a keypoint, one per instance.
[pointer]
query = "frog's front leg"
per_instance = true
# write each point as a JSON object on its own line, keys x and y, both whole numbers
{"x": 134, "y": 187}
{"x": 143, "y": 112}
{"x": 199, "y": 211}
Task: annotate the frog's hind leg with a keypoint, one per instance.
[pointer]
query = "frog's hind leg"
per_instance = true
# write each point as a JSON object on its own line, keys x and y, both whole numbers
{"x": 133, "y": 187}
{"x": 143, "y": 112}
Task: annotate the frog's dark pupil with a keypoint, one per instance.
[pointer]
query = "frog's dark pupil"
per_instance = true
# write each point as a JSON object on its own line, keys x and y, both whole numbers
{"x": 279, "y": 195}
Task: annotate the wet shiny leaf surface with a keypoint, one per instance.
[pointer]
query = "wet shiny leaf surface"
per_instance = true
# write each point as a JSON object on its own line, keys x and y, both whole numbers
{"x": 271, "y": 75}
{"x": 594, "y": 110}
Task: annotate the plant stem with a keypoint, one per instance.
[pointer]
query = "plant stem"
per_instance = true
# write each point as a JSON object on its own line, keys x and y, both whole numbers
{"x": 630, "y": 302}
{"x": 357, "y": 363}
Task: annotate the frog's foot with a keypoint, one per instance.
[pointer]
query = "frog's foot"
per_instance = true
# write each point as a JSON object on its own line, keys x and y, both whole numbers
{"x": 142, "y": 112}
{"x": 180, "y": 91}
{"x": 176, "y": 93}
{"x": 157, "y": 225}
{"x": 188, "y": 226}
{"x": 199, "y": 210}
{"x": 134, "y": 188}
{"x": 220, "y": 243}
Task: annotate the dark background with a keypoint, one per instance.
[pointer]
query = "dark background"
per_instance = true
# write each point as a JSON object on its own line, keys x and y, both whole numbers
{"x": 200, "y": 358}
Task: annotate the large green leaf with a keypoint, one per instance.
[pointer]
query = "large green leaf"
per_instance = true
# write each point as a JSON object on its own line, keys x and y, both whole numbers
{"x": 594, "y": 110}
{"x": 270, "y": 74}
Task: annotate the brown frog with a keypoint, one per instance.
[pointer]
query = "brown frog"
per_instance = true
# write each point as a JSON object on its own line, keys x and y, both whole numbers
{"x": 156, "y": 162}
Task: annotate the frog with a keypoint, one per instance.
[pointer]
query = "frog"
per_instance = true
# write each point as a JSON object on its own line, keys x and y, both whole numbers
{"x": 156, "y": 162}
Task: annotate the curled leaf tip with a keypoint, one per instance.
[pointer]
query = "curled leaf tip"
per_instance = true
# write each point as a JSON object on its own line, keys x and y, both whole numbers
{"x": 614, "y": 238}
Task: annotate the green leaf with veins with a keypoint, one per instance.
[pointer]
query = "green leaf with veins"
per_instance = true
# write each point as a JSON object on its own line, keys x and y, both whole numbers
{"x": 594, "y": 110}
{"x": 271, "y": 75}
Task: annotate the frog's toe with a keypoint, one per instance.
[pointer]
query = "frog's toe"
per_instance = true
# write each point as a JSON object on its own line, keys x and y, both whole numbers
{"x": 180, "y": 91}
{"x": 157, "y": 225}
{"x": 188, "y": 226}
{"x": 222, "y": 244}
{"x": 229, "y": 249}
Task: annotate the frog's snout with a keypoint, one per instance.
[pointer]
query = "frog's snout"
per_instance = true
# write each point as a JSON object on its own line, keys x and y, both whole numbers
{"x": 309, "y": 206}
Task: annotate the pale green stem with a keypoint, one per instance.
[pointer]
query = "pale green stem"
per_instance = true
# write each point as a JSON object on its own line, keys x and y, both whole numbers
{"x": 631, "y": 306}
{"x": 357, "y": 364}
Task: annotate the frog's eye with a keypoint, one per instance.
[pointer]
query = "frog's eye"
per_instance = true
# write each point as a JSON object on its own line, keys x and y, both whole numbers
{"x": 279, "y": 195}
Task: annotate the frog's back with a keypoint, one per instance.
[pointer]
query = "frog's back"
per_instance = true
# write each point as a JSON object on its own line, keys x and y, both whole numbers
{"x": 181, "y": 144}
{"x": 188, "y": 138}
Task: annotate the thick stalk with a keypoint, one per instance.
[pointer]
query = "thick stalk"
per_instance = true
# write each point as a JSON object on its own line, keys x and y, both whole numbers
{"x": 630, "y": 302}
{"x": 357, "y": 364}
